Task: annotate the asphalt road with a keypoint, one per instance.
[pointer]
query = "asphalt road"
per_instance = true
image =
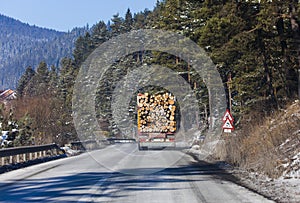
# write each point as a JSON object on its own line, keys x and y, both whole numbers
{"x": 121, "y": 173}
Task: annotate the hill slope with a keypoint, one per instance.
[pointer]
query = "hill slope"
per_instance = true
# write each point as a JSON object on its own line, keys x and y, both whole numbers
{"x": 22, "y": 45}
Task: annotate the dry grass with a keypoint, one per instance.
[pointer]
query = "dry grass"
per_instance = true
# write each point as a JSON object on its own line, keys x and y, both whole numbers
{"x": 258, "y": 146}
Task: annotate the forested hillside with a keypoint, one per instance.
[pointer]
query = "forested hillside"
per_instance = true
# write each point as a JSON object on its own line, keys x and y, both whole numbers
{"x": 22, "y": 45}
{"x": 254, "y": 44}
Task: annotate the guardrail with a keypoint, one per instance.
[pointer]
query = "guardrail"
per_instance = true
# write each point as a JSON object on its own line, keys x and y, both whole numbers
{"x": 23, "y": 154}
{"x": 88, "y": 144}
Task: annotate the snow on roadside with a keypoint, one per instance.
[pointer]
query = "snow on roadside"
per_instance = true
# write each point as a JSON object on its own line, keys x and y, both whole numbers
{"x": 3, "y": 138}
{"x": 71, "y": 152}
{"x": 292, "y": 169}
{"x": 283, "y": 189}
{"x": 283, "y": 181}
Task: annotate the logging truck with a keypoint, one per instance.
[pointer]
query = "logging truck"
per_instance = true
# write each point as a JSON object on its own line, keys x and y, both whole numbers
{"x": 156, "y": 120}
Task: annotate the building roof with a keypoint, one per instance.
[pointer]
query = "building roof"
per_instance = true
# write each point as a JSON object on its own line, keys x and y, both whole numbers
{"x": 8, "y": 95}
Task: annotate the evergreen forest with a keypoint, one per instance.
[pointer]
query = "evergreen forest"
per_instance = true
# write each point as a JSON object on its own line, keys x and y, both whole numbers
{"x": 23, "y": 45}
{"x": 255, "y": 46}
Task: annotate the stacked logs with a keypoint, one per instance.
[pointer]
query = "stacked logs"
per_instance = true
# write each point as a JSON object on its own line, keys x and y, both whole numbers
{"x": 156, "y": 113}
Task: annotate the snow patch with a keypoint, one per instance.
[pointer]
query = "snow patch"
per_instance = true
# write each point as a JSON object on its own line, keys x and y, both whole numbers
{"x": 4, "y": 135}
{"x": 292, "y": 169}
{"x": 284, "y": 143}
{"x": 70, "y": 152}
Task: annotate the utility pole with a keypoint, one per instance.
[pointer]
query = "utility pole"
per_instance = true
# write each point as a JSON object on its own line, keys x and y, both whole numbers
{"x": 229, "y": 85}
{"x": 299, "y": 83}
{"x": 189, "y": 74}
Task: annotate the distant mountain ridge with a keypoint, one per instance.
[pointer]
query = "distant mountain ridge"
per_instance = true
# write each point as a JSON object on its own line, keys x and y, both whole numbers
{"x": 23, "y": 45}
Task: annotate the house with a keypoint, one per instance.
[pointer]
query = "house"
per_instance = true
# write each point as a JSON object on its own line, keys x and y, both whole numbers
{"x": 7, "y": 95}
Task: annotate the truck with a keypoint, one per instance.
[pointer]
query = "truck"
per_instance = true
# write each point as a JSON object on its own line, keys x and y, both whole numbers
{"x": 156, "y": 120}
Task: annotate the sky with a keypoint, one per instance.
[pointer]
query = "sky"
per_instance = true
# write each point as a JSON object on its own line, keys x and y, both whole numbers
{"x": 63, "y": 15}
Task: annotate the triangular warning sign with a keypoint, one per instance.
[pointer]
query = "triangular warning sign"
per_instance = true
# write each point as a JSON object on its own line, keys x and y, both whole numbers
{"x": 228, "y": 125}
{"x": 227, "y": 115}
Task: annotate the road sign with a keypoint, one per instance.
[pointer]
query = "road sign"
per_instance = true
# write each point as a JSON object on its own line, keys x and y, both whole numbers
{"x": 227, "y": 115}
{"x": 228, "y": 122}
{"x": 227, "y": 131}
{"x": 228, "y": 126}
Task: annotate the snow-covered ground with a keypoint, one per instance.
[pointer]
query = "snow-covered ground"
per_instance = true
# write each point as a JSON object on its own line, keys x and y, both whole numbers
{"x": 282, "y": 183}
{"x": 286, "y": 188}
{"x": 71, "y": 152}
{"x": 280, "y": 189}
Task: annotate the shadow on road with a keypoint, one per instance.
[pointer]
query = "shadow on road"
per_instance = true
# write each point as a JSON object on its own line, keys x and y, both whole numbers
{"x": 113, "y": 185}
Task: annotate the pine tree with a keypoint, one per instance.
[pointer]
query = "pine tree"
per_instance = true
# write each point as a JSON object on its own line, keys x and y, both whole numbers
{"x": 100, "y": 33}
{"x": 117, "y": 26}
{"x": 128, "y": 23}
{"x": 25, "y": 134}
{"x": 83, "y": 47}
{"x": 24, "y": 80}
{"x": 38, "y": 85}
{"x": 68, "y": 74}
{"x": 42, "y": 73}
{"x": 53, "y": 79}
{"x": 139, "y": 20}
{"x": 2, "y": 109}
{"x": 250, "y": 40}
